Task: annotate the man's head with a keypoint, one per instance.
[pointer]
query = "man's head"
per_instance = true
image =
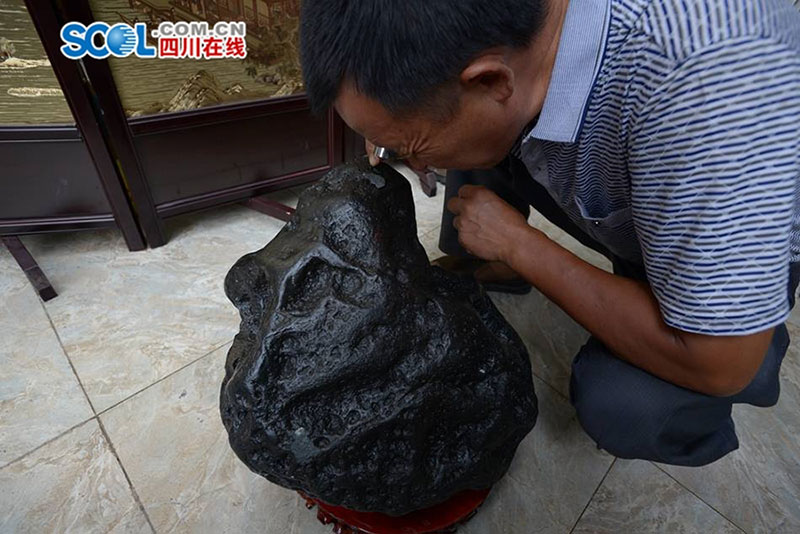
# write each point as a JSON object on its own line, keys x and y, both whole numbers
{"x": 434, "y": 80}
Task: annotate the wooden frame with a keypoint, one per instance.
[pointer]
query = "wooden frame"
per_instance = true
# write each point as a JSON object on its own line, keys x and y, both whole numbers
{"x": 126, "y": 135}
{"x": 88, "y": 132}
{"x": 114, "y": 143}
{"x": 102, "y": 147}
{"x": 29, "y": 266}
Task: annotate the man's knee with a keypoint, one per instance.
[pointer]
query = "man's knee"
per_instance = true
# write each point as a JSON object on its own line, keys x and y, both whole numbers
{"x": 632, "y": 414}
{"x": 765, "y": 388}
{"x": 619, "y": 417}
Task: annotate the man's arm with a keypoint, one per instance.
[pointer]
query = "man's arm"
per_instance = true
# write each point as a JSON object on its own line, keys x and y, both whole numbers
{"x": 621, "y": 312}
{"x": 712, "y": 158}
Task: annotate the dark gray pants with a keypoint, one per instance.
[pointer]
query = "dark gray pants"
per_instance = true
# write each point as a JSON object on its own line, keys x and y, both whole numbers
{"x": 627, "y": 411}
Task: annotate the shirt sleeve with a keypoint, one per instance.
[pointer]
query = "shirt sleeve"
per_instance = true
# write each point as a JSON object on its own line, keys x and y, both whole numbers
{"x": 714, "y": 161}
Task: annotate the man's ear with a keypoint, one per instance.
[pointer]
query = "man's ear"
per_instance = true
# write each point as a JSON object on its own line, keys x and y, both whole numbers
{"x": 489, "y": 74}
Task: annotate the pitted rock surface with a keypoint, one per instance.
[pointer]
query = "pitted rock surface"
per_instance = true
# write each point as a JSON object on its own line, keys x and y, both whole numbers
{"x": 362, "y": 375}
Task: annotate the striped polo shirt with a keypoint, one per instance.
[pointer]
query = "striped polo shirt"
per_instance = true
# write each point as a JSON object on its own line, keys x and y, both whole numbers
{"x": 671, "y": 134}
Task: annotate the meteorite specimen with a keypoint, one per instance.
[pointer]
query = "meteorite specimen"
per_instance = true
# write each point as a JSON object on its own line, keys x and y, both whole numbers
{"x": 362, "y": 375}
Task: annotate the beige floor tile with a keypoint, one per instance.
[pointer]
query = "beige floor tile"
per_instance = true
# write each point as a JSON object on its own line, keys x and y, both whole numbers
{"x": 551, "y": 336}
{"x": 428, "y": 210}
{"x": 430, "y": 240}
{"x": 129, "y": 318}
{"x": 173, "y": 445}
{"x": 794, "y": 316}
{"x": 306, "y": 520}
{"x": 73, "y": 484}
{"x": 287, "y": 196}
{"x": 554, "y": 473}
{"x": 758, "y": 486}
{"x": 637, "y": 497}
{"x": 39, "y": 395}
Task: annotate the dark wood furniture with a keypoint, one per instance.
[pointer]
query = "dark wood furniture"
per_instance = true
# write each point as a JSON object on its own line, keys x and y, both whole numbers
{"x": 110, "y": 171}
{"x": 176, "y": 163}
{"x": 29, "y": 266}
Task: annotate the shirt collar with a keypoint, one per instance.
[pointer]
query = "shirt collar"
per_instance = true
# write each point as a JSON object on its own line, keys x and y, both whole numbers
{"x": 580, "y": 54}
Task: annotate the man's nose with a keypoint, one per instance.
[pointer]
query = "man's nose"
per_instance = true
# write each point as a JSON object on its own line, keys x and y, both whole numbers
{"x": 416, "y": 164}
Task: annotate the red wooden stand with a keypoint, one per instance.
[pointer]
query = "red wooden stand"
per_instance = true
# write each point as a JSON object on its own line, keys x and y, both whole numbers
{"x": 443, "y": 518}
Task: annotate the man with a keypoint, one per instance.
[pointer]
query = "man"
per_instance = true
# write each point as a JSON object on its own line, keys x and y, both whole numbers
{"x": 663, "y": 133}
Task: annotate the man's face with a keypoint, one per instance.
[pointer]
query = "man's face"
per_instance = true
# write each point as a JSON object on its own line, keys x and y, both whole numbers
{"x": 478, "y": 136}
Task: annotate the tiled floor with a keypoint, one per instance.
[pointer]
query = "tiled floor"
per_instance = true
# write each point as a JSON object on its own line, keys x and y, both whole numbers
{"x": 109, "y": 422}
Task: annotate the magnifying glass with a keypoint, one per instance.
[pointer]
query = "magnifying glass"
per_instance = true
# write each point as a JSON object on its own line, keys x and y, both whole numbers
{"x": 428, "y": 177}
{"x": 384, "y": 154}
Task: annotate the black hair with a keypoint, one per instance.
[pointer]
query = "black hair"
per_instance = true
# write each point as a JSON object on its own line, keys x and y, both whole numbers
{"x": 402, "y": 52}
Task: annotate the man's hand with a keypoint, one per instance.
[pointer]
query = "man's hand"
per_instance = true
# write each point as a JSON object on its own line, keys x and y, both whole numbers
{"x": 487, "y": 226}
{"x": 373, "y": 159}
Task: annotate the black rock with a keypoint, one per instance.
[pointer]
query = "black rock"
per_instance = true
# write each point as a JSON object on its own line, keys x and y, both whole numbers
{"x": 362, "y": 375}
